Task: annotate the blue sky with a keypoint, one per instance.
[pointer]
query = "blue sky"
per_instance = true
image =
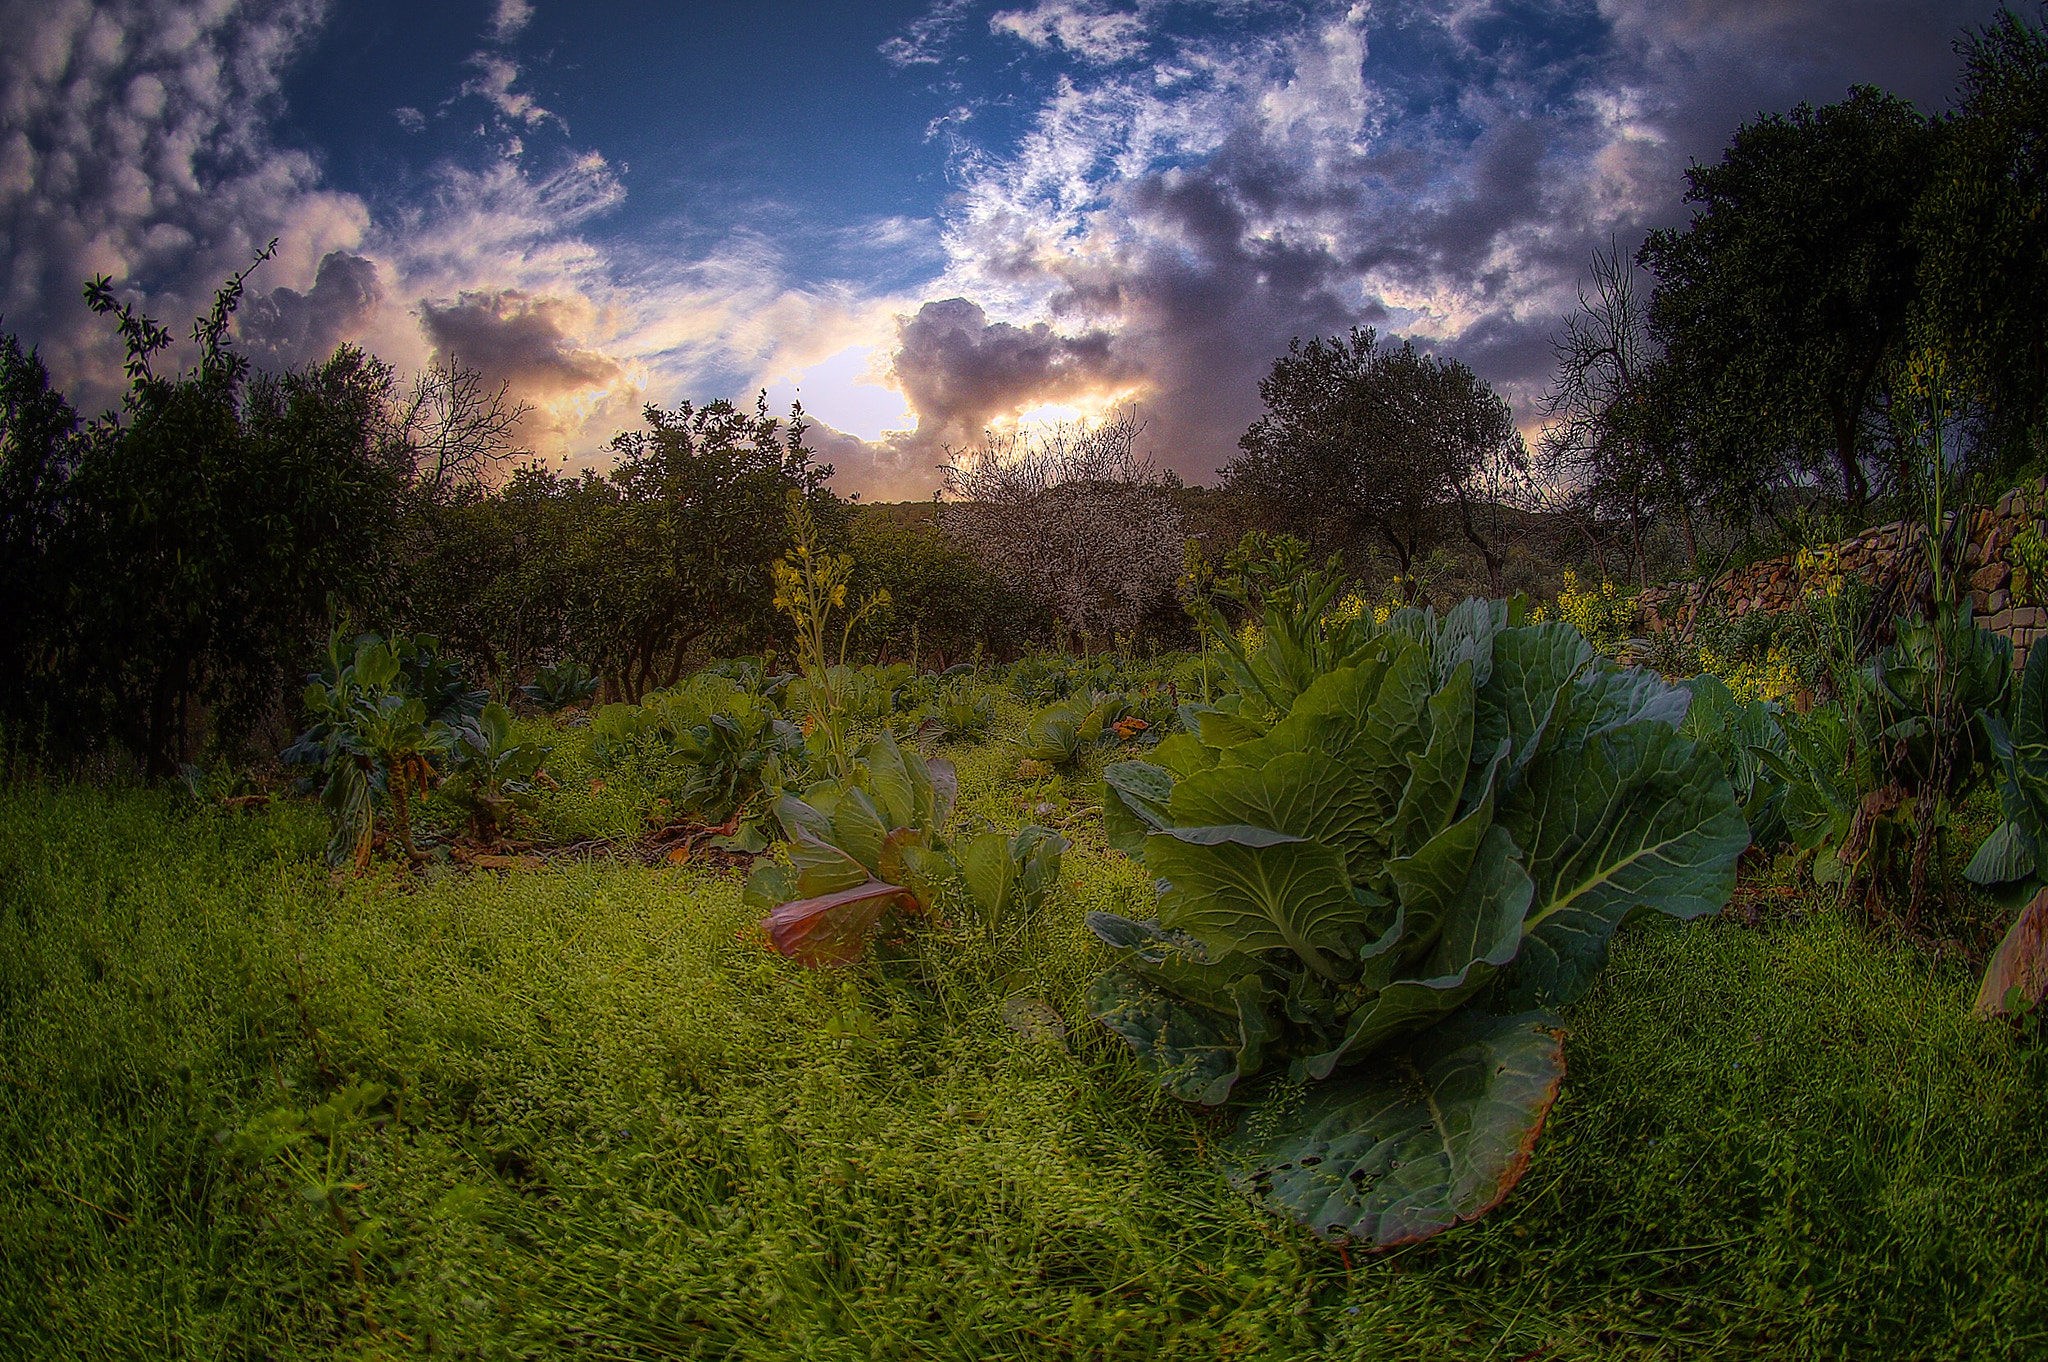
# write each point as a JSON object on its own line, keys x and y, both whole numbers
{"x": 929, "y": 219}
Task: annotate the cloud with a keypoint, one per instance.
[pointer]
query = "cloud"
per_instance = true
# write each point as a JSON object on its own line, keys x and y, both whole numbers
{"x": 510, "y": 19}
{"x": 519, "y": 338}
{"x": 924, "y": 41}
{"x": 1441, "y": 170}
{"x": 1081, "y": 28}
{"x": 959, "y": 370}
{"x": 284, "y": 327}
{"x": 134, "y": 144}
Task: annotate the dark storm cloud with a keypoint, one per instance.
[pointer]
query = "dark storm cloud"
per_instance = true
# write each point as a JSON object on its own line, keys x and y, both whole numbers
{"x": 519, "y": 338}
{"x": 958, "y": 369}
{"x": 285, "y": 327}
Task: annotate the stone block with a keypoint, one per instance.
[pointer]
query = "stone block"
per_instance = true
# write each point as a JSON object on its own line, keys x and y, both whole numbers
{"x": 1998, "y": 600}
{"x": 1998, "y": 621}
{"x": 1990, "y": 577}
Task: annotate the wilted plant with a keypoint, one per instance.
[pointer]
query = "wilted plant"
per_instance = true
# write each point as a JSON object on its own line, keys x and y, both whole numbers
{"x": 1382, "y": 887}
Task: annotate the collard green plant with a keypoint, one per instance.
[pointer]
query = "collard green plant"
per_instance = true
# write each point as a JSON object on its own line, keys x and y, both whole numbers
{"x": 560, "y": 686}
{"x": 1384, "y": 891}
{"x": 385, "y": 717}
{"x": 1870, "y": 778}
{"x": 960, "y": 712}
{"x": 875, "y": 841}
{"x": 1061, "y": 734}
{"x": 494, "y": 772}
{"x": 2010, "y": 861}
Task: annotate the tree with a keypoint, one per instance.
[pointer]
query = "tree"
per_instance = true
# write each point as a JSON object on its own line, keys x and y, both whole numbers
{"x": 1982, "y": 233}
{"x": 1363, "y": 440}
{"x": 702, "y": 497}
{"x": 1075, "y": 518}
{"x": 1606, "y": 451}
{"x": 1786, "y": 300}
{"x": 176, "y": 558}
{"x": 941, "y": 602}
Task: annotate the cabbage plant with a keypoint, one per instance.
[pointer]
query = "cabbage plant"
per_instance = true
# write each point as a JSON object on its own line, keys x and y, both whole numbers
{"x": 1373, "y": 895}
{"x": 877, "y": 840}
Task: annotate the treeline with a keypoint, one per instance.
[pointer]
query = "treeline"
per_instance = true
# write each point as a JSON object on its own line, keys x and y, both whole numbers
{"x": 1851, "y": 275}
{"x": 171, "y": 569}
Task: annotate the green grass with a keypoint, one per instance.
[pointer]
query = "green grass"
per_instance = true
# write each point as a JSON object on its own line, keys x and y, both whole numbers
{"x": 617, "y": 1128}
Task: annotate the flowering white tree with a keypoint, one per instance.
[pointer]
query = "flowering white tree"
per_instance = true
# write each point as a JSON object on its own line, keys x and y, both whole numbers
{"x": 1075, "y": 517}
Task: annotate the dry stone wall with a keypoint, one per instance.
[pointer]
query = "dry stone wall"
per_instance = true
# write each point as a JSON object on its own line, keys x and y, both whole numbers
{"x": 1888, "y": 556}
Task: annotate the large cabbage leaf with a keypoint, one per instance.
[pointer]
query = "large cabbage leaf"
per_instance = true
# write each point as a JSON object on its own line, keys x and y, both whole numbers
{"x": 1437, "y": 1136}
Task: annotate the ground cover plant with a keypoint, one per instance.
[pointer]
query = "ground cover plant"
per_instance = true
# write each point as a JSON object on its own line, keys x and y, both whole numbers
{"x": 582, "y": 1110}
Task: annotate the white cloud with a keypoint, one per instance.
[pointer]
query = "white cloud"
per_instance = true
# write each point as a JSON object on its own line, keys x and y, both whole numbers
{"x": 509, "y": 19}
{"x": 1085, "y": 29}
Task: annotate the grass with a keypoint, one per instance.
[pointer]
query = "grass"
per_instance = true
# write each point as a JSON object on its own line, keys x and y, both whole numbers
{"x": 612, "y": 1126}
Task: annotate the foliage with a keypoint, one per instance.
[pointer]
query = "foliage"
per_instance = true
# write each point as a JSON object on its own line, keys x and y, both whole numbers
{"x": 1427, "y": 846}
{"x": 875, "y": 840}
{"x": 560, "y": 686}
{"x": 961, "y": 712}
{"x": 1606, "y": 450}
{"x": 1061, "y": 734}
{"x": 1076, "y": 519}
{"x": 1776, "y": 1142}
{"x": 714, "y": 747}
{"x": 386, "y": 713}
{"x": 1606, "y": 616}
{"x": 810, "y": 587}
{"x": 2011, "y": 859}
{"x": 1784, "y": 303}
{"x": 493, "y": 772}
{"x": 1982, "y": 236}
{"x": 1873, "y": 775}
{"x": 1361, "y": 439}
{"x": 1743, "y": 731}
{"x": 941, "y": 603}
{"x": 165, "y": 564}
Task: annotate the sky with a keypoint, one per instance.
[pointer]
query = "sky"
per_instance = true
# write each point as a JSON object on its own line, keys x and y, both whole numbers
{"x": 925, "y": 219}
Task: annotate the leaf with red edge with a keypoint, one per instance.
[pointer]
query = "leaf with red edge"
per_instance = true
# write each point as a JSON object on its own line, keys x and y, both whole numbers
{"x": 832, "y": 929}
{"x": 1431, "y": 1136}
{"x": 2017, "y": 977}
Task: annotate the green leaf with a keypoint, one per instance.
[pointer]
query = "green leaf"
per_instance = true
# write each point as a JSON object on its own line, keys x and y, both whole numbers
{"x": 858, "y": 829}
{"x": 1328, "y": 717}
{"x": 1479, "y": 936}
{"x": 2005, "y": 856}
{"x": 1303, "y": 794}
{"x": 988, "y": 871}
{"x": 1438, "y": 776}
{"x": 1135, "y": 795}
{"x": 1252, "y": 889}
{"x": 1191, "y": 1051}
{"x": 1532, "y": 668}
{"x": 1436, "y": 1136}
{"x": 1639, "y": 820}
{"x": 1466, "y": 636}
